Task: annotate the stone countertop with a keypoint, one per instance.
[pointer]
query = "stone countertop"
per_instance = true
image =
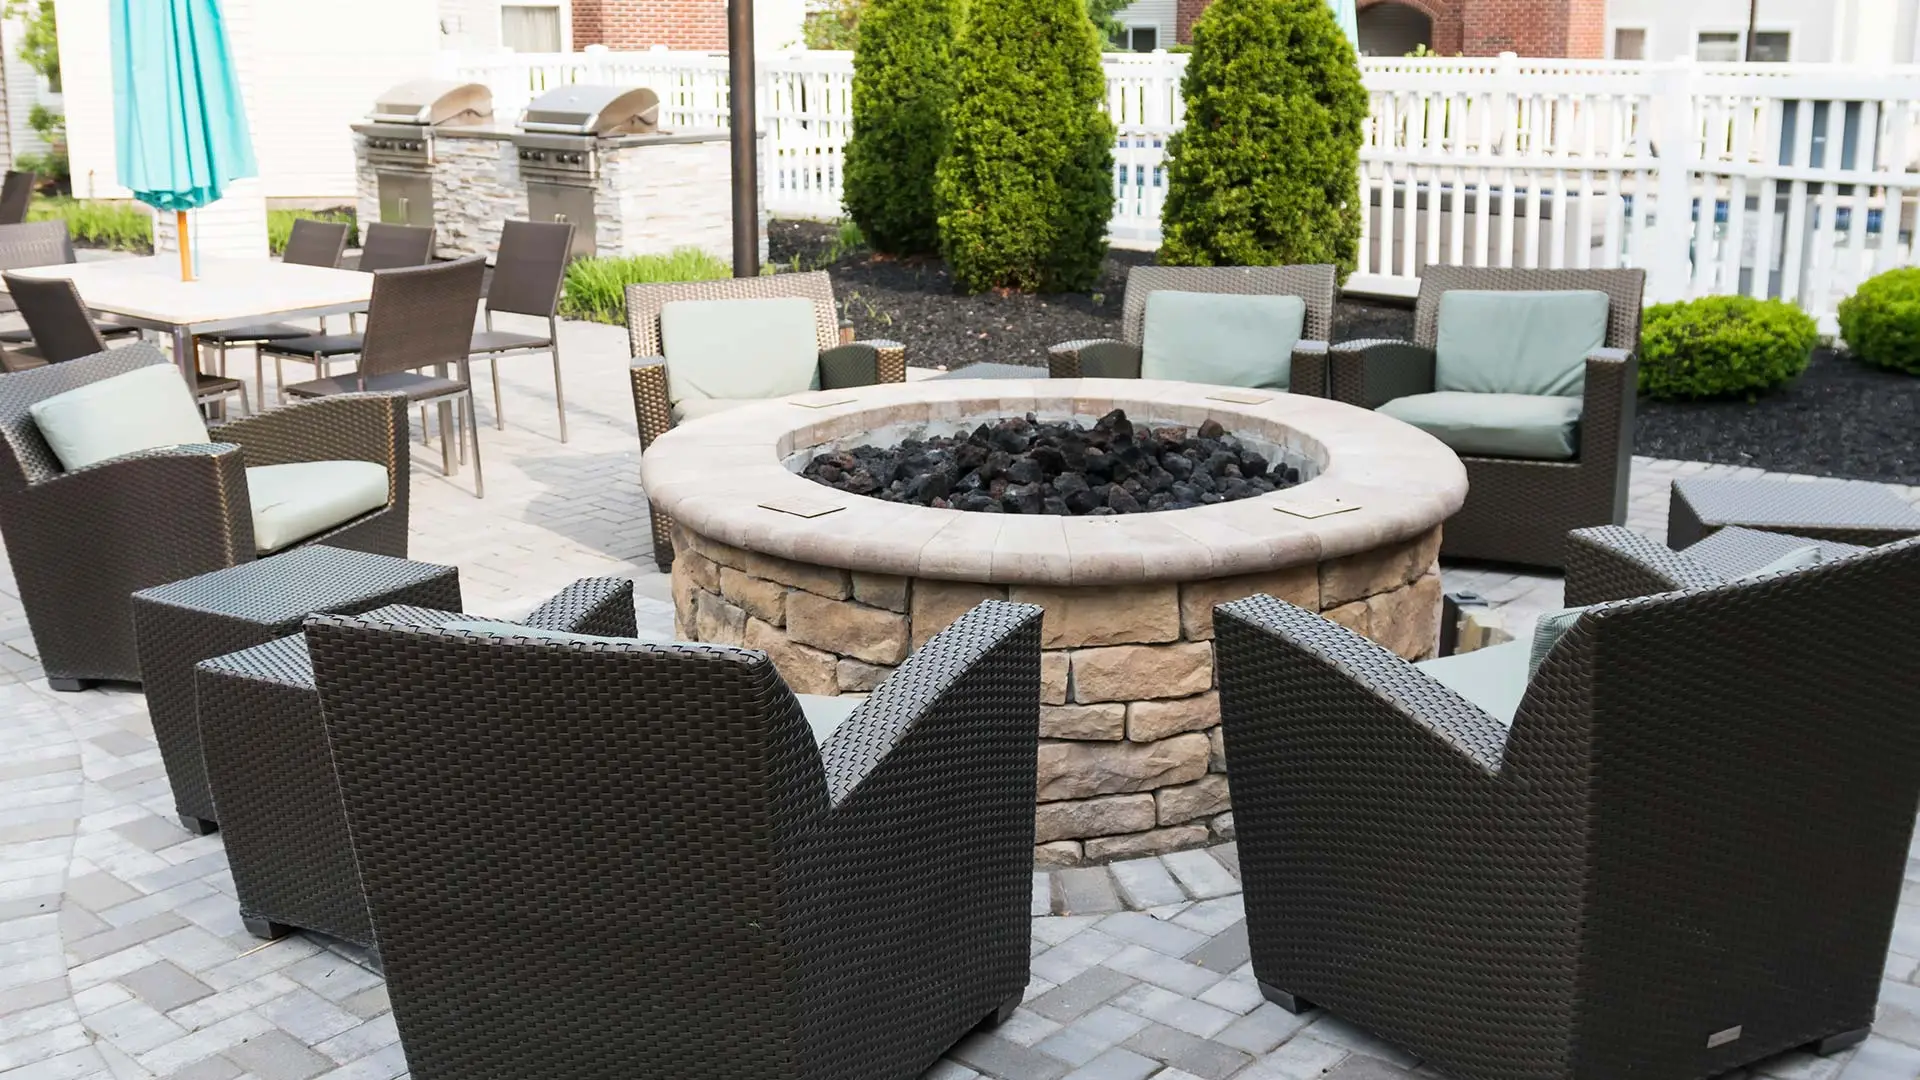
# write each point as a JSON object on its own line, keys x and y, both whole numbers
{"x": 714, "y": 475}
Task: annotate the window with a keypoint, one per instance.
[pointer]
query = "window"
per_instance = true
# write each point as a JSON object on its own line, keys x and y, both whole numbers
{"x": 1140, "y": 38}
{"x": 1630, "y": 44}
{"x": 1718, "y": 46}
{"x": 1772, "y": 46}
{"x": 525, "y": 28}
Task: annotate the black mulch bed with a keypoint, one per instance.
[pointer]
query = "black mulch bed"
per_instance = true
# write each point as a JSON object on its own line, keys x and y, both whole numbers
{"x": 1840, "y": 418}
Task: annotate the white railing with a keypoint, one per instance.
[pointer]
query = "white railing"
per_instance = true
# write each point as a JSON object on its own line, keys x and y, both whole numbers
{"x": 1794, "y": 180}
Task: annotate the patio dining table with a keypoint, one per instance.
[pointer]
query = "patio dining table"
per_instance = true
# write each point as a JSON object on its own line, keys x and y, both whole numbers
{"x": 226, "y": 294}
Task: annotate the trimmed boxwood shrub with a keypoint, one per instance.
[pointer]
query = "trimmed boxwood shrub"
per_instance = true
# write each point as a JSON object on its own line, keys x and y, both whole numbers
{"x": 902, "y": 88}
{"x": 1026, "y": 188}
{"x": 1266, "y": 170}
{"x": 1881, "y": 322}
{"x": 1722, "y": 345}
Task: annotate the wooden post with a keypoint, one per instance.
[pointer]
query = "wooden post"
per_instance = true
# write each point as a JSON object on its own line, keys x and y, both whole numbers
{"x": 186, "y": 252}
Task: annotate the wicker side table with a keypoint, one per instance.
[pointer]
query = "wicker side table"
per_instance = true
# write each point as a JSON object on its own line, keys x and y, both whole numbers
{"x": 1849, "y": 511}
{"x": 179, "y": 624}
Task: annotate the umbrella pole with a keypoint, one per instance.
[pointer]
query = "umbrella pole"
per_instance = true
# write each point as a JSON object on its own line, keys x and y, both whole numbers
{"x": 186, "y": 252}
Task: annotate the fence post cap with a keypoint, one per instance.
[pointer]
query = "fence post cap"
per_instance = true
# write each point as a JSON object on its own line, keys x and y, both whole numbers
{"x": 594, "y": 49}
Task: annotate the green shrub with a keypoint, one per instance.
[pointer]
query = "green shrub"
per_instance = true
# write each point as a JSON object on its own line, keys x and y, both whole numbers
{"x": 1026, "y": 187}
{"x": 903, "y": 83}
{"x": 1723, "y": 345}
{"x": 123, "y": 226}
{"x": 1266, "y": 170}
{"x": 280, "y": 225}
{"x": 1881, "y": 322}
{"x": 596, "y": 288}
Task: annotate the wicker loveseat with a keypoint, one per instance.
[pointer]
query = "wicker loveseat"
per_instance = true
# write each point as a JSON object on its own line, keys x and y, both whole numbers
{"x": 655, "y": 400}
{"x": 1610, "y": 562}
{"x": 1519, "y": 509}
{"x": 1681, "y": 853}
{"x": 82, "y": 542}
{"x": 1109, "y": 359}
{"x": 605, "y": 859}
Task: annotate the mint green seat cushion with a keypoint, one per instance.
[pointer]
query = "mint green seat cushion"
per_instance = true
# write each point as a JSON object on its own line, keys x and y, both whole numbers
{"x": 694, "y": 408}
{"x": 1494, "y": 678}
{"x": 1536, "y": 427}
{"x": 1518, "y": 342}
{"x": 293, "y": 502}
{"x": 1223, "y": 339}
{"x": 143, "y": 409}
{"x": 744, "y": 350}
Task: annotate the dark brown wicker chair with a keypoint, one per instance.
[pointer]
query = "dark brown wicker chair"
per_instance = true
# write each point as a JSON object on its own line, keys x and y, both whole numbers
{"x": 1109, "y": 359}
{"x": 420, "y": 316}
{"x": 1610, "y": 562}
{"x": 1519, "y": 511}
{"x": 386, "y": 247}
{"x": 1613, "y": 884}
{"x": 612, "y": 860}
{"x": 527, "y": 274}
{"x": 41, "y": 243}
{"x": 16, "y": 196}
{"x": 860, "y": 364}
{"x": 311, "y": 243}
{"x": 271, "y": 769}
{"x": 82, "y": 542}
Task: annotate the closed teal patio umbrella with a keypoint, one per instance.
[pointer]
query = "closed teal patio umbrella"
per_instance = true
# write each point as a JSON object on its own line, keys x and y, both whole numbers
{"x": 179, "y": 122}
{"x": 1349, "y": 19}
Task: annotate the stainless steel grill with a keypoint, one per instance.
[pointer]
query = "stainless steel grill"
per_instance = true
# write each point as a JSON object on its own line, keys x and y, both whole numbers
{"x": 559, "y": 144}
{"x": 400, "y": 135}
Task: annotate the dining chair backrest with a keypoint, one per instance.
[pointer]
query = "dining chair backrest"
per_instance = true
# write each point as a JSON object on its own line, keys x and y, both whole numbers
{"x": 61, "y": 325}
{"x": 421, "y": 316}
{"x": 35, "y": 243}
{"x": 16, "y": 194}
{"x": 388, "y": 247}
{"x": 530, "y": 267}
{"x": 315, "y": 243}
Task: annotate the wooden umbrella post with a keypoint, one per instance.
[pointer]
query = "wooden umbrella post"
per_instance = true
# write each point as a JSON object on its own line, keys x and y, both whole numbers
{"x": 186, "y": 252}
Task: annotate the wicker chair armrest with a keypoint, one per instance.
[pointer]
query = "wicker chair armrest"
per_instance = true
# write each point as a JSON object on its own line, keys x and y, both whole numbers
{"x": 602, "y": 606}
{"x": 652, "y": 406}
{"x": 1273, "y": 647}
{"x": 343, "y": 427}
{"x": 1611, "y": 562}
{"x": 1063, "y": 360}
{"x": 844, "y": 366}
{"x": 1606, "y": 420}
{"x": 1371, "y": 372}
{"x": 1309, "y": 375}
{"x": 893, "y": 359}
{"x": 188, "y": 500}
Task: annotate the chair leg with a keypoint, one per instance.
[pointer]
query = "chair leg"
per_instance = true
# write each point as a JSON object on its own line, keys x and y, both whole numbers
{"x": 559, "y": 392}
{"x": 426, "y": 432}
{"x": 259, "y": 380}
{"x": 1002, "y": 1012}
{"x": 279, "y": 379}
{"x": 266, "y": 928}
{"x": 499, "y": 414}
{"x": 199, "y": 826}
{"x": 1289, "y": 1002}
{"x": 446, "y": 439}
{"x": 67, "y": 686}
{"x": 473, "y": 432}
{"x": 1833, "y": 1044}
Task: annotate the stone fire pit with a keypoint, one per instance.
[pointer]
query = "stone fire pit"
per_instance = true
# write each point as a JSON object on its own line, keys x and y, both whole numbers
{"x": 837, "y": 588}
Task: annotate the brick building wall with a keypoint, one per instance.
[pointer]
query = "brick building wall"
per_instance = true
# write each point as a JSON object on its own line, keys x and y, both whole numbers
{"x": 642, "y": 24}
{"x": 1573, "y": 28}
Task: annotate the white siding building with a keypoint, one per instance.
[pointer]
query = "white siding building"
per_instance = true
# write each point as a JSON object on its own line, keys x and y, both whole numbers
{"x": 1814, "y": 31}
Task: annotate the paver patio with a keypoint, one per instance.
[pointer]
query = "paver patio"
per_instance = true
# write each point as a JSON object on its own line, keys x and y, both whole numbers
{"x": 122, "y": 954}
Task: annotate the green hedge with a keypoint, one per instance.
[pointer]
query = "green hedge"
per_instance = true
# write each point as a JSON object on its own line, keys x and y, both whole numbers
{"x": 903, "y": 82}
{"x": 1026, "y": 187}
{"x": 280, "y": 225}
{"x": 1881, "y": 322}
{"x": 1723, "y": 345}
{"x": 108, "y": 223}
{"x": 596, "y": 289}
{"x": 1265, "y": 171}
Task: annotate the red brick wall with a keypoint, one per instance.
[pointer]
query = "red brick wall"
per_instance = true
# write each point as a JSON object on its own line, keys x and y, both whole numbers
{"x": 642, "y": 24}
{"x": 1573, "y": 28}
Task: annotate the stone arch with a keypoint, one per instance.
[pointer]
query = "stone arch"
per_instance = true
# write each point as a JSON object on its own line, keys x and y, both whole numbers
{"x": 1394, "y": 27}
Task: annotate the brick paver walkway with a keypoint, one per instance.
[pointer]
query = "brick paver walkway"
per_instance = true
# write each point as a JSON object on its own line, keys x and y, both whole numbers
{"x": 122, "y": 955}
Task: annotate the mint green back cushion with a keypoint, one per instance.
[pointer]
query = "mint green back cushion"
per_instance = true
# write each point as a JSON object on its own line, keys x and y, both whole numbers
{"x": 739, "y": 349}
{"x": 1494, "y": 678}
{"x": 1223, "y": 339}
{"x": 143, "y": 409}
{"x": 1518, "y": 342}
{"x": 1527, "y": 426}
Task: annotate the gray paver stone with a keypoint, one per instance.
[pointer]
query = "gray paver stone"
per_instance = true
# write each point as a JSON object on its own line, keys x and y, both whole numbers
{"x": 164, "y": 986}
{"x": 1085, "y": 890}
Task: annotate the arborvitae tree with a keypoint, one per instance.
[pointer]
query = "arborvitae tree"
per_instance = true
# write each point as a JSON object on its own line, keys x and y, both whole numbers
{"x": 1026, "y": 188}
{"x": 1266, "y": 170}
{"x": 903, "y": 82}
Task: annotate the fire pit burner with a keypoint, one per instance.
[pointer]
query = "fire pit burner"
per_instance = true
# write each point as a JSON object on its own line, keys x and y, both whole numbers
{"x": 1024, "y": 465}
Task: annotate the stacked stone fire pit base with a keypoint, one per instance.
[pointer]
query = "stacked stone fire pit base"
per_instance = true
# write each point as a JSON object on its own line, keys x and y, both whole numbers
{"x": 838, "y": 588}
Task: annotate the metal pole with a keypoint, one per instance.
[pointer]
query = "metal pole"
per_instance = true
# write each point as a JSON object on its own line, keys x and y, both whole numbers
{"x": 1753, "y": 21}
{"x": 746, "y": 157}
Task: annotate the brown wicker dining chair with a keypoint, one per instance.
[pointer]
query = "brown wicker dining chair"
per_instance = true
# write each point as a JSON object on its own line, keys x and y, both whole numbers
{"x": 385, "y": 247}
{"x": 311, "y": 243}
{"x": 660, "y": 401}
{"x": 63, "y": 329}
{"x": 420, "y": 317}
{"x": 82, "y": 541}
{"x": 42, "y": 243}
{"x": 1676, "y": 849}
{"x": 528, "y": 271}
{"x": 1314, "y": 285}
{"x": 1546, "y": 452}
{"x": 16, "y": 196}
{"x": 759, "y": 877}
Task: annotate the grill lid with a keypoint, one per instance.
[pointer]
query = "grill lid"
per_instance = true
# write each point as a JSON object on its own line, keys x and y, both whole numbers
{"x": 434, "y": 103}
{"x": 602, "y": 111}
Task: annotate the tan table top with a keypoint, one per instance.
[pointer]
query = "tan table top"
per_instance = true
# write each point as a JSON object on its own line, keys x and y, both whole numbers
{"x": 230, "y": 291}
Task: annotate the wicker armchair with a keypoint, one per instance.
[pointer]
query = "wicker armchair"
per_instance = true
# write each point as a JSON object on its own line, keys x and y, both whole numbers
{"x": 1610, "y": 562}
{"x": 82, "y": 542}
{"x": 860, "y": 364}
{"x": 1109, "y": 359}
{"x": 1518, "y": 510}
{"x": 657, "y": 872}
{"x": 1682, "y": 854}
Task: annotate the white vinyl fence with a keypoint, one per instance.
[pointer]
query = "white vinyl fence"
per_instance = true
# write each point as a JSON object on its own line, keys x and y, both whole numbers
{"x": 1793, "y": 180}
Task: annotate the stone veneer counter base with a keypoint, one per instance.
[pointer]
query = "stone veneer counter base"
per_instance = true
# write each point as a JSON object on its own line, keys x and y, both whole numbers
{"x": 1131, "y": 757}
